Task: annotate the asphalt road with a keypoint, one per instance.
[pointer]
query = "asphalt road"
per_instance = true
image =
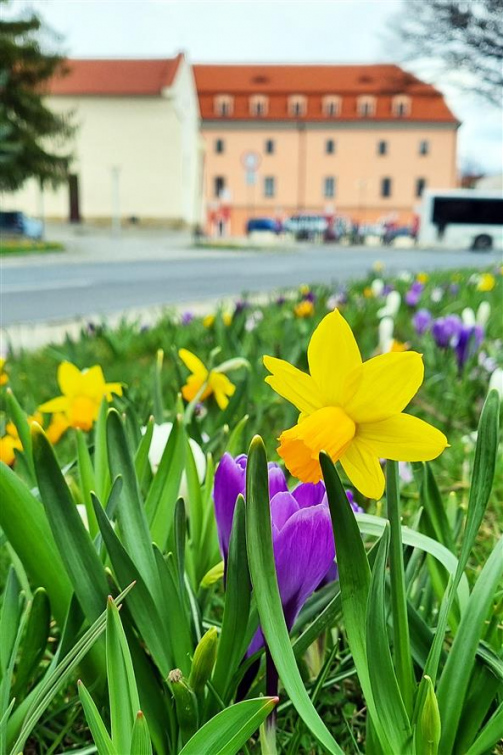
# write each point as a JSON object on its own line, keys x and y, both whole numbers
{"x": 36, "y": 290}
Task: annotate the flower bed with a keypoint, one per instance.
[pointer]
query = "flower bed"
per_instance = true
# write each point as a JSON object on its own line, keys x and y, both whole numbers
{"x": 132, "y": 468}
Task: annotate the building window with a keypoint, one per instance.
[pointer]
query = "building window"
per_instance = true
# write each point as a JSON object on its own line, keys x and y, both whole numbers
{"x": 420, "y": 186}
{"x": 366, "y": 106}
{"x": 269, "y": 186}
{"x": 330, "y": 147}
{"x": 382, "y": 147}
{"x": 400, "y": 106}
{"x": 269, "y": 147}
{"x": 424, "y": 147}
{"x": 385, "y": 187}
{"x": 331, "y": 106}
{"x": 258, "y": 105}
{"x": 219, "y": 146}
{"x": 218, "y": 186}
{"x": 297, "y": 105}
{"x": 329, "y": 187}
{"x": 223, "y": 105}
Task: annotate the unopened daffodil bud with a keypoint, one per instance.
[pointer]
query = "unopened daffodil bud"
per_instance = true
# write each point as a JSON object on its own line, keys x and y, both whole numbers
{"x": 204, "y": 659}
{"x": 429, "y": 726}
{"x": 185, "y": 704}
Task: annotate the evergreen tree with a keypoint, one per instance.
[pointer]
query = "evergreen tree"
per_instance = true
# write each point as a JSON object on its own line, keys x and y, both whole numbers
{"x": 32, "y": 137}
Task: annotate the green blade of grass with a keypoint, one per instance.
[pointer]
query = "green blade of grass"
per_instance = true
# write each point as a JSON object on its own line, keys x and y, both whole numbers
{"x": 140, "y": 739}
{"x": 95, "y": 722}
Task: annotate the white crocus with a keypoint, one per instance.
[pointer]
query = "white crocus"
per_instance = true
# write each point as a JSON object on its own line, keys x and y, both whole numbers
{"x": 437, "y": 294}
{"x": 386, "y": 327}
{"x": 392, "y": 305}
{"x": 496, "y": 382}
{"x": 468, "y": 316}
{"x": 377, "y": 286}
{"x": 160, "y": 437}
{"x": 483, "y": 313}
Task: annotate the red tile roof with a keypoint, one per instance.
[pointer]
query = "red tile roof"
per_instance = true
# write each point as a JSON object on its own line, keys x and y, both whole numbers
{"x": 315, "y": 81}
{"x": 116, "y": 77}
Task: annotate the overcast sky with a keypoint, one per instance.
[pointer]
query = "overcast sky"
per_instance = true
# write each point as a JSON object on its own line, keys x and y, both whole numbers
{"x": 281, "y": 31}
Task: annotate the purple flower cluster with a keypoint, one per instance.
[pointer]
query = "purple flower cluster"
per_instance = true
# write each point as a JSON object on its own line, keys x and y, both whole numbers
{"x": 186, "y": 318}
{"x": 414, "y": 294}
{"x": 309, "y": 296}
{"x": 445, "y": 329}
{"x": 451, "y": 332}
{"x": 422, "y": 321}
{"x": 303, "y": 540}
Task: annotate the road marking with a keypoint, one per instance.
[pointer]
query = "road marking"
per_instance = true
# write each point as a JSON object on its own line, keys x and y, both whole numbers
{"x": 17, "y": 288}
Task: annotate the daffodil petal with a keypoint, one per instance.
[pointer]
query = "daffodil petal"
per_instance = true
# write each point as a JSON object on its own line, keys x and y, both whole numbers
{"x": 192, "y": 363}
{"x": 364, "y": 470}
{"x": 388, "y": 382}
{"x": 59, "y": 404}
{"x": 69, "y": 379}
{"x": 333, "y": 355}
{"x": 222, "y": 388}
{"x": 93, "y": 383}
{"x": 402, "y": 438}
{"x": 296, "y": 386}
{"x": 193, "y": 386}
{"x": 113, "y": 388}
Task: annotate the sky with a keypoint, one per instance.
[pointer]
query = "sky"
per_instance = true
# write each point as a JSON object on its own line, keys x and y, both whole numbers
{"x": 276, "y": 31}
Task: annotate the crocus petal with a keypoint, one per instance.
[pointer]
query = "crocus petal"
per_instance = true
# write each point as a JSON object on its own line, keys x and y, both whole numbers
{"x": 388, "y": 383}
{"x": 59, "y": 404}
{"x": 333, "y": 355}
{"x": 69, "y": 379}
{"x": 192, "y": 362}
{"x": 293, "y": 384}
{"x": 329, "y": 429}
{"x": 402, "y": 438}
{"x": 364, "y": 470}
{"x": 230, "y": 481}
{"x": 277, "y": 480}
{"x": 309, "y": 494}
{"x": 283, "y": 506}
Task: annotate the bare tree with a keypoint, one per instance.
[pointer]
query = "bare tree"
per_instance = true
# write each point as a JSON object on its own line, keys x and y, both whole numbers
{"x": 465, "y": 36}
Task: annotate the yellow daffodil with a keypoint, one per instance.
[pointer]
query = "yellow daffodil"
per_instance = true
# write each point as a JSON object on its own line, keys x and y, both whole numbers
{"x": 304, "y": 289}
{"x": 352, "y": 409}
{"x": 368, "y": 293}
{"x": 378, "y": 266}
{"x": 8, "y": 444}
{"x": 486, "y": 282}
{"x": 58, "y": 425}
{"x": 209, "y": 320}
{"x": 304, "y": 309}
{"x": 83, "y": 392}
{"x": 422, "y": 277}
{"x": 216, "y": 382}
{"x": 398, "y": 346}
{"x": 4, "y": 378}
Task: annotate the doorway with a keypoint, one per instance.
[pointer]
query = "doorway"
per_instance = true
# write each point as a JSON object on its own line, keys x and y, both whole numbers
{"x": 73, "y": 190}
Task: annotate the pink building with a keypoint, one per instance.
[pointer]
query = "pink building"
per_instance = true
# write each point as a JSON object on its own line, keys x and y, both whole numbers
{"x": 361, "y": 141}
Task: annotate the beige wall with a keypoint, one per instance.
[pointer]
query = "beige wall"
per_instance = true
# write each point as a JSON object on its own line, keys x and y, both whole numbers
{"x": 153, "y": 141}
{"x": 300, "y": 165}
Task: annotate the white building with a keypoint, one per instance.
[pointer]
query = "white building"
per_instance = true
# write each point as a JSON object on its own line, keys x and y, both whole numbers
{"x": 137, "y": 150}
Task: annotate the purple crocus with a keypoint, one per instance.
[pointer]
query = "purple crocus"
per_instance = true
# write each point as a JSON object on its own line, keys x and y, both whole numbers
{"x": 414, "y": 294}
{"x": 186, "y": 318}
{"x": 466, "y": 343}
{"x": 388, "y": 288}
{"x": 445, "y": 329}
{"x": 309, "y": 296}
{"x": 240, "y": 305}
{"x": 422, "y": 321}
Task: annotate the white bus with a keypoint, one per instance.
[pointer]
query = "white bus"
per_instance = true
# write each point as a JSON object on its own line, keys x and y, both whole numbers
{"x": 462, "y": 218}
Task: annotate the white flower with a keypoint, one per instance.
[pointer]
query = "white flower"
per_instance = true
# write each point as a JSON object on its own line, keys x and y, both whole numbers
{"x": 392, "y": 305}
{"x": 496, "y": 382}
{"x": 405, "y": 276}
{"x": 468, "y": 316}
{"x": 386, "y": 327}
{"x": 160, "y": 437}
{"x": 253, "y": 320}
{"x": 483, "y": 313}
{"x": 377, "y": 286}
{"x": 334, "y": 301}
{"x": 437, "y": 294}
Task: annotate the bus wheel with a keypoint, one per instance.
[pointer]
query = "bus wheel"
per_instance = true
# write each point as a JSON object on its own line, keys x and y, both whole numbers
{"x": 482, "y": 243}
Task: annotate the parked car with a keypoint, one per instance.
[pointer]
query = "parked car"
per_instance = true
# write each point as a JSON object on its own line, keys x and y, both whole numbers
{"x": 306, "y": 226}
{"x": 18, "y": 224}
{"x": 263, "y": 224}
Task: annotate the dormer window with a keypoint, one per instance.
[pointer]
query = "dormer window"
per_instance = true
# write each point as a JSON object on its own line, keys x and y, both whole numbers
{"x": 331, "y": 106}
{"x": 400, "y": 106}
{"x": 366, "y": 106}
{"x": 297, "y": 105}
{"x": 223, "y": 105}
{"x": 258, "y": 105}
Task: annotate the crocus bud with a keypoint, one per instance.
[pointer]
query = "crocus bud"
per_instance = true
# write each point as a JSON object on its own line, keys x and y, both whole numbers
{"x": 483, "y": 313}
{"x": 429, "y": 726}
{"x": 377, "y": 286}
{"x": 204, "y": 659}
{"x": 386, "y": 327}
{"x": 468, "y": 316}
{"x": 496, "y": 382}
{"x": 185, "y": 704}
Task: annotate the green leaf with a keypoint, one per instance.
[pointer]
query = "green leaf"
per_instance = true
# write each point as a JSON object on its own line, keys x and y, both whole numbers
{"x": 163, "y": 493}
{"x": 265, "y": 585}
{"x": 228, "y": 731}
{"x": 12, "y": 608}
{"x": 173, "y": 612}
{"x": 23, "y": 520}
{"x": 141, "y": 462}
{"x": 34, "y": 642}
{"x": 429, "y": 725}
{"x": 234, "y": 444}
{"x": 81, "y": 561}
{"x": 386, "y": 692}
{"x": 431, "y": 499}
{"x": 460, "y": 660}
{"x": 157, "y": 388}
{"x": 98, "y": 729}
{"x": 23, "y": 428}
{"x": 101, "y": 471}
{"x": 231, "y": 647}
{"x": 490, "y": 735}
{"x": 140, "y": 740}
{"x": 87, "y": 480}
{"x": 401, "y": 639}
{"x": 122, "y": 691}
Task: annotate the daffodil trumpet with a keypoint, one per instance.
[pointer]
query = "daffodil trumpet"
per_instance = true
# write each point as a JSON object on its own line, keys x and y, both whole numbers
{"x": 352, "y": 410}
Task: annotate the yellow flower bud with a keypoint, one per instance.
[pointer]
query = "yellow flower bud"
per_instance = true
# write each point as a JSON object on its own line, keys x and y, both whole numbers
{"x": 203, "y": 661}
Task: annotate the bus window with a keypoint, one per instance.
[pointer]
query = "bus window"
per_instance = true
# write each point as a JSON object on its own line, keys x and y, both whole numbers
{"x": 467, "y": 211}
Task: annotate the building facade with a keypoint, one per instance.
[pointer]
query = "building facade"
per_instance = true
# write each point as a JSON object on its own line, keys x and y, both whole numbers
{"x": 137, "y": 149}
{"x": 361, "y": 142}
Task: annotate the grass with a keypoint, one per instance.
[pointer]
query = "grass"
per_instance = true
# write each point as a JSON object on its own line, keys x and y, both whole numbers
{"x": 24, "y": 246}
